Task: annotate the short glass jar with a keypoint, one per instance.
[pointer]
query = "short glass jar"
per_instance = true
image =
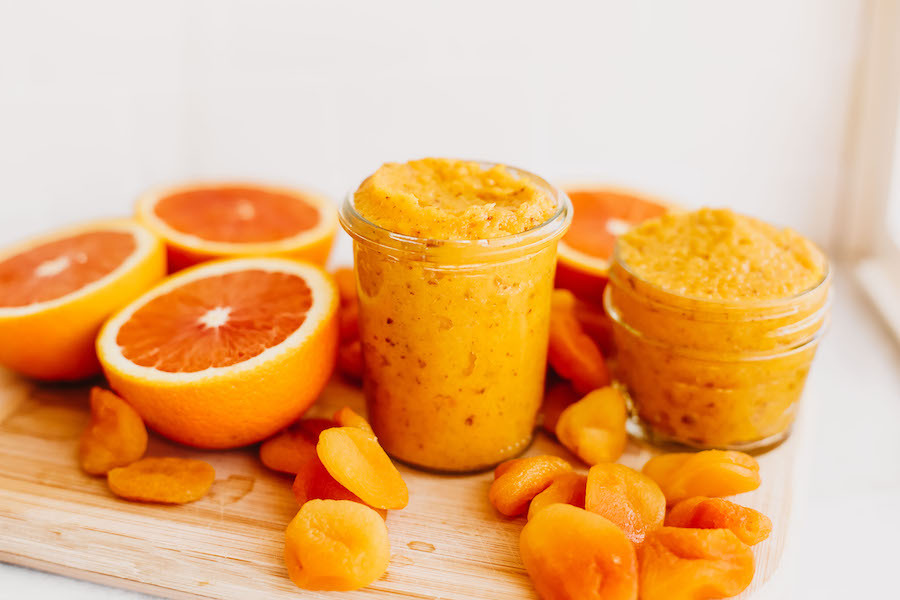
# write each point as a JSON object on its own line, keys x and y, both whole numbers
{"x": 710, "y": 373}
{"x": 454, "y": 336}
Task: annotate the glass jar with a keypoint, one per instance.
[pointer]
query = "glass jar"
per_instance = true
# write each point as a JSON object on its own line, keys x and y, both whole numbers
{"x": 708, "y": 373}
{"x": 454, "y": 337}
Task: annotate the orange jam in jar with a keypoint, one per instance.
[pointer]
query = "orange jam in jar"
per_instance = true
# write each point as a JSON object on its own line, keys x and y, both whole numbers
{"x": 716, "y": 318}
{"x": 454, "y": 264}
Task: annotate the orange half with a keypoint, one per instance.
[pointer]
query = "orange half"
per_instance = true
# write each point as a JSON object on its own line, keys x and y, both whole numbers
{"x": 205, "y": 221}
{"x": 56, "y": 290}
{"x": 226, "y": 353}
{"x": 601, "y": 214}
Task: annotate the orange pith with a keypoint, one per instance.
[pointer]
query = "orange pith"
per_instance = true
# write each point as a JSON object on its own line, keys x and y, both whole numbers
{"x": 598, "y": 216}
{"x": 215, "y": 322}
{"x": 54, "y": 269}
{"x": 236, "y": 214}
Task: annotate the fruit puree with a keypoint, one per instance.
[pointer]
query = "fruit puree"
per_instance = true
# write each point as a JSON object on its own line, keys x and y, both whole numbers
{"x": 454, "y": 312}
{"x": 716, "y": 318}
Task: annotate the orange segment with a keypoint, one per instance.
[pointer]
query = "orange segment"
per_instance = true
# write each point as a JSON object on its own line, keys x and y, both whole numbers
{"x": 601, "y": 214}
{"x": 56, "y": 291}
{"x": 222, "y": 220}
{"x": 227, "y": 353}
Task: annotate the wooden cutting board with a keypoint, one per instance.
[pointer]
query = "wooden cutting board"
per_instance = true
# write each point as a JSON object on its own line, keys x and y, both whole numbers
{"x": 448, "y": 543}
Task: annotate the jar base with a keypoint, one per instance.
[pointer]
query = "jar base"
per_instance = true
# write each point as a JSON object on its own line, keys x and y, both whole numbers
{"x": 460, "y": 471}
{"x": 643, "y": 433}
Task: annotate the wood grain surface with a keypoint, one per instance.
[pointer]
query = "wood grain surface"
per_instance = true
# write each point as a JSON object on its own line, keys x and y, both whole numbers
{"x": 448, "y": 543}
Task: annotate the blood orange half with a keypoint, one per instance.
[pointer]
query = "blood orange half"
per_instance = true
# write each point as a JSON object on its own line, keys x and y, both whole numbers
{"x": 600, "y": 215}
{"x": 56, "y": 290}
{"x": 205, "y": 221}
{"x": 226, "y": 353}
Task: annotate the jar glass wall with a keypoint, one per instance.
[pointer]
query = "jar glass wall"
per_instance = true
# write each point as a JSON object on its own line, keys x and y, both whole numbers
{"x": 454, "y": 337}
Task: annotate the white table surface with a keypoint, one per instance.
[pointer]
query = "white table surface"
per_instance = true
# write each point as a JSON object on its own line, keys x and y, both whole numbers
{"x": 846, "y": 529}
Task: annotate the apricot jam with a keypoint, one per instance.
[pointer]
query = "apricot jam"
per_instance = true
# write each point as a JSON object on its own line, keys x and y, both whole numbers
{"x": 454, "y": 264}
{"x": 716, "y": 317}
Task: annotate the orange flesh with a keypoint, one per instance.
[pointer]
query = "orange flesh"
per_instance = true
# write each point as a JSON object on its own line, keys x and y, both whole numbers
{"x": 237, "y": 214}
{"x": 57, "y": 268}
{"x": 216, "y": 321}
{"x": 594, "y": 209}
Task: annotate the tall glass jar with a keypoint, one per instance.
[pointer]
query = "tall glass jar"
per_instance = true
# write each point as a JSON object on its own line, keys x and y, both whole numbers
{"x": 709, "y": 373}
{"x": 454, "y": 337}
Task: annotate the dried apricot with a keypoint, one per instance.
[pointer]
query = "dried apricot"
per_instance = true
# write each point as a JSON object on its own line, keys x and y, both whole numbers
{"x": 350, "y": 360}
{"x": 596, "y": 324}
{"x": 573, "y": 554}
{"x": 693, "y": 564}
{"x": 709, "y": 473}
{"x": 750, "y": 526}
{"x": 336, "y": 545}
{"x": 626, "y": 497}
{"x": 594, "y": 427}
{"x": 347, "y": 417}
{"x": 356, "y": 460}
{"x": 560, "y": 395}
{"x": 346, "y": 284}
{"x": 115, "y": 437}
{"x": 167, "y": 480}
{"x": 313, "y": 427}
{"x": 287, "y": 451}
{"x": 505, "y": 466}
{"x": 571, "y": 352}
{"x": 521, "y": 481}
{"x": 566, "y": 488}
{"x": 348, "y": 322}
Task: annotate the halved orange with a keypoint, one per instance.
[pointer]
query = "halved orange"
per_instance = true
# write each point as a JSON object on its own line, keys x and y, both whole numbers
{"x": 205, "y": 221}
{"x": 600, "y": 215}
{"x": 57, "y": 289}
{"x": 226, "y": 353}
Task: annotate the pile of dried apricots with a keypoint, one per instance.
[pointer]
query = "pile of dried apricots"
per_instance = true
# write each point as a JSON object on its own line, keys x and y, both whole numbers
{"x": 608, "y": 534}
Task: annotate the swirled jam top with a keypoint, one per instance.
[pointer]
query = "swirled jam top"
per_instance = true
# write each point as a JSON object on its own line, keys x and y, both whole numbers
{"x": 716, "y": 254}
{"x": 443, "y": 199}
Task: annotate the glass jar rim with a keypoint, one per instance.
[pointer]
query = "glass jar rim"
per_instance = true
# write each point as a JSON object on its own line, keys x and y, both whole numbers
{"x": 769, "y": 303}
{"x": 425, "y": 249}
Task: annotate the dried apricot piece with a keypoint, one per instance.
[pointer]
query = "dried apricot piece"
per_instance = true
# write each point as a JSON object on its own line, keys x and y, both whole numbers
{"x": 505, "y": 466}
{"x": 115, "y": 437}
{"x": 336, "y": 545}
{"x": 566, "y": 488}
{"x": 511, "y": 492}
{"x": 750, "y": 526}
{"x": 166, "y": 480}
{"x": 626, "y": 497}
{"x": 311, "y": 428}
{"x": 348, "y": 322}
{"x": 350, "y": 360}
{"x": 573, "y": 554}
{"x": 347, "y": 417}
{"x": 357, "y": 461}
{"x": 346, "y": 284}
{"x": 559, "y": 396}
{"x": 693, "y": 564}
{"x": 571, "y": 352}
{"x": 596, "y": 324}
{"x": 594, "y": 427}
{"x": 287, "y": 451}
{"x": 711, "y": 473}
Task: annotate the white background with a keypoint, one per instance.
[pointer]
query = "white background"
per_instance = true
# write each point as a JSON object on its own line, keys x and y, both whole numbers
{"x": 742, "y": 104}
{"x": 705, "y": 102}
